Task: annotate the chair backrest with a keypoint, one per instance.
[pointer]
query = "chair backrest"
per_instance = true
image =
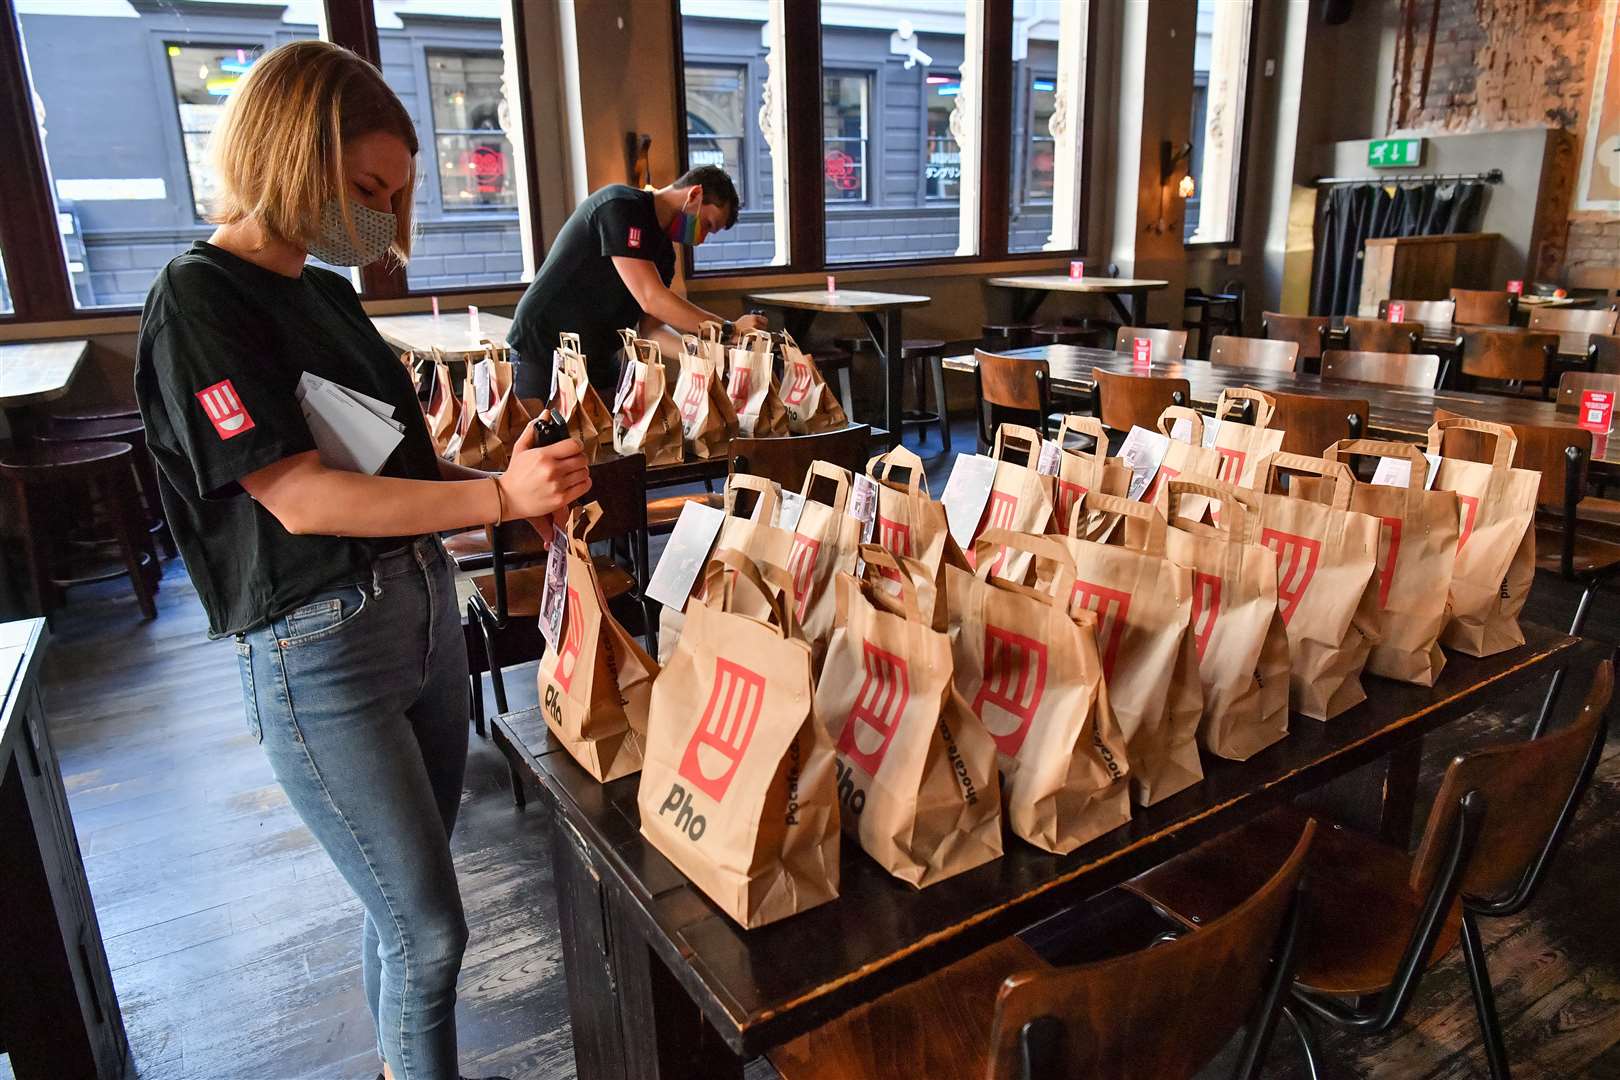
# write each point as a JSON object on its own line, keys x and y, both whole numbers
{"x": 1541, "y": 447}
{"x": 1418, "y": 370}
{"x": 1164, "y": 1012}
{"x": 1571, "y": 383}
{"x": 619, "y": 486}
{"x": 1259, "y": 354}
{"x": 786, "y": 458}
{"x": 1603, "y": 351}
{"x": 1574, "y": 326}
{"x": 1010, "y": 382}
{"x": 1303, "y": 330}
{"x": 1507, "y": 354}
{"x": 1311, "y": 423}
{"x": 1167, "y": 344}
{"x": 1376, "y": 335}
{"x": 1435, "y": 315}
{"x": 1529, "y": 791}
{"x": 1126, "y": 401}
{"x": 1487, "y": 307}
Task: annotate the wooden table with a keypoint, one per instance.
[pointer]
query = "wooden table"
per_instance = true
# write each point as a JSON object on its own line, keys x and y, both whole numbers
{"x": 1395, "y": 412}
{"x": 451, "y": 332}
{"x": 661, "y": 984}
{"x": 33, "y": 373}
{"x": 880, "y": 313}
{"x": 1031, "y": 290}
{"x": 59, "y": 1013}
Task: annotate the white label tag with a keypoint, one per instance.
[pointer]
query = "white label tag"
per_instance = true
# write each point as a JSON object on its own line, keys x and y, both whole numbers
{"x": 1397, "y": 472}
{"x": 553, "y": 599}
{"x": 1051, "y": 457}
{"x": 787, "y": 516}
{"x": 683, "y": 558}
{"x": 863, "y": 501}
{"x": 1212, "y": 430}
{"x": 1143, "y": 452}
{"x": 1181, "y": 430}
{"x": 626, "y": 381}
{"x": 965, "y": 494}
{"x": 483, "y": 372}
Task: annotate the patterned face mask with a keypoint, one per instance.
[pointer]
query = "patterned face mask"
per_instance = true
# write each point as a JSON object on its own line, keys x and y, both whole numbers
{"x": 374, "y": 228}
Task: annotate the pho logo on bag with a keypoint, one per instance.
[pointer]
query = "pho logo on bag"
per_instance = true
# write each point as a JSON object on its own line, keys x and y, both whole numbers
{"x": 1206, "y": 608}
{"x": 1386, "y": 572}
{"x": 1297, "y": 557}
{"x": 879, "y": 704}
{"x": 999, "y": 515}
{"x": 1470, "y": 510}
{"x": 801, "y": 566}
{"x": 697, "y": 389}
{"x": 894, "y": 537}
{"x": 1231, "y": 464}
{"x": 225, "y": 410}
{"x": 798, "y": 388}
{"x": 742, "y": 380}
{"x": 573, "y": 638}
{"x": 727, "y": 726}
{"x": 1112, "y": 607}
{"x": 1163, "y": 476}
{"x": 1014, "y": 681}
{"x": 1068, "y": 493}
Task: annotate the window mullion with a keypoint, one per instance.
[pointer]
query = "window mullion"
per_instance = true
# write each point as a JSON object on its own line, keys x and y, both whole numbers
{"x": 802, "y": 23}
{"x": 995, "y": 136}
{"x": 30, "y": 240}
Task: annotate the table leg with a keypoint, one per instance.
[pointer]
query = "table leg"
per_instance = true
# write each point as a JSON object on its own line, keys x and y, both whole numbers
{"x": 889, "y": 338}
{"x": 798, "y": 322}
{"x": 23, "y": 426}
{"x": 1126, "y": 316}
{"x": 1400, "y": 794}
{"x": 1026, "y": 302}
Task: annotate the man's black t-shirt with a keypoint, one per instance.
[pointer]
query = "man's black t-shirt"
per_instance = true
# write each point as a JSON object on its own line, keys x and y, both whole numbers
{"x": 222, "y": 346}
{"x": 578, "y": 288}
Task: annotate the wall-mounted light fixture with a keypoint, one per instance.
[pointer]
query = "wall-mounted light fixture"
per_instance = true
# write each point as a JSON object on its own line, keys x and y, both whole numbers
{"x": 1170, "y": 160}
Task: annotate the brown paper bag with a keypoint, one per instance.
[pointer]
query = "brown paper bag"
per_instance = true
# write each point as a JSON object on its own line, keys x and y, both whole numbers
{"x": 1020, "y": 497}
{"x": 1417, "y": 549}
{"x": 917, "y": 784}
{"x": 1080, "y": 471}
{"x": 707, "y": 422}
{"x": 595, "y": 686}
{"x": 909, "y": 522}
{"x": 1327, "y": 590}
{"x": 1242, "y": 446}
{"x": 752, "y": 386}
{"x": 1496, "y": 540}
{"x": 825, "y": 544}
{"x": 1236, "y": 628}
{"x": 1031, "y": 671}
{"x": 739, "y": 789}
{"x": 492, "y": 418}
{"x": 645, "y": 420}
{"x": 1184, "y": 458}
{"x": 443, "y": 411}
{"x": 575, "y": 400}
{"x": 810, "y": 403}
{"x": 1143, "y": 604}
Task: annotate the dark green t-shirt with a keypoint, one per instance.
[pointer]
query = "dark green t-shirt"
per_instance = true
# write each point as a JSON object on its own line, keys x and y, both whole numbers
{"x": 222, "y": 346}
{"x": 579, "y": 290}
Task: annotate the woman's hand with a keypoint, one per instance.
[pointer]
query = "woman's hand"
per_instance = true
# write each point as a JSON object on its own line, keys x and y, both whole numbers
{"x": 752, "y": 321}
{"x": 541, "y": 480}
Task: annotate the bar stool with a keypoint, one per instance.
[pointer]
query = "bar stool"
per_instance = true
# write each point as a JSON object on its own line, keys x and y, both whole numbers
{"x": 1060, "y": 334}
{"x": 67, "y": 428}
{"x": 122, "y": 410}
{"x": 95, "y": 473}
{"x": 916, "y": 354}
{"x": 1005, "y": 335}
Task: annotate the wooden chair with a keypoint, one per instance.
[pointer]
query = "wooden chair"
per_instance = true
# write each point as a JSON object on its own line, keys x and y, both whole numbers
{"x": 1122, "y": 402}
{"x": 1215, "y": 313}
{"x": 1574, "y": 327}
{"x": 1437, "y": 316}
{"x": 1017, "y": 385}
{"x": 1309, "y": 332}
{"x": 1167, "y": 344}
{"x": 1571, "y": 383}
{"x": 1376, "y": 335}
{"x": 1417, "y": 370}
{"x": 1603, "y": 353}
{"x": 1311, "y": 423}
{"x": 1379, "y": 918}
{"x": 1483, "y": 307}
{"x": 787, "y": 460}
{"x": 1511, "y": 356}
{"x": 1163, "y": 1012}
{"x": 1256, "y": 354}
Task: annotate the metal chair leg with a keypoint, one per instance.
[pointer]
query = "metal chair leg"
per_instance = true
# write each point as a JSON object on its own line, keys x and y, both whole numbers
{"x": 495, "y": 679}
{"x": 1479, "y": 977}
{"x": 938, "y": 363}
{"x": 1557, "y": 684}
{"x": 1304, "y": 1036}
{"x": 476, "y": 678}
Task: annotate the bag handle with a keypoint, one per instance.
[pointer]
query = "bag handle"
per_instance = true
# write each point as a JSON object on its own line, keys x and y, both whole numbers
{"x": 769, "y": 501}
{"x": 1048, "y": 548}
{"x": 649, "y": 351}
{"x": 1233, "y": 527}
{"x": 917, "y": 482}
{"x": 581, "y": 522}
{"x": 745, "y": 569}
{"x": 628, "y": 337}
{"x": 876, "y": 555}
{"x": 755, "y": 337}
{"x": 710, "y": 330}
{"x": 1172, "y": 413}
{"x": 1419, "y": 476}
{"x": 691, "y": 345}
{"x": 828, "y": 471}
{"x": 1344, "y": 482}
{"x": 1085, "y": 425}
{"x": 1005, "y": 433}
{"x": 1149, "y": 537}
{"x": 1507, "y": 440}
{"x": 1264, "y": 404}
{"x": 569, "y": 341}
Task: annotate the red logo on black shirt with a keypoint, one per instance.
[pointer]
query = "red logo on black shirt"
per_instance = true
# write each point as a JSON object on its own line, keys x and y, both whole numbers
{"x": 634, "y": 237}
{"x": 225, "y": 409}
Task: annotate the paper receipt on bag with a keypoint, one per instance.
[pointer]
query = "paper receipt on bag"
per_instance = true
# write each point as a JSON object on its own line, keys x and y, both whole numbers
{"x": 863, "y": 502}
{"x": 1143, "y": 452}
{"x": 1051, "y": 457}
{"x": 1397, "y": 471}
{"x": 790, "y": 510}
{"x": 688, "y": 549}
{"x": 554, "y": 597}
{"x": 965, "y": 495}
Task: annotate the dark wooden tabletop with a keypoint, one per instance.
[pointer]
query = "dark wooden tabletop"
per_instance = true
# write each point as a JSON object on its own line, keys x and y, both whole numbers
{"x": 760, "y": 987}
{"x": 1395, "y": 413}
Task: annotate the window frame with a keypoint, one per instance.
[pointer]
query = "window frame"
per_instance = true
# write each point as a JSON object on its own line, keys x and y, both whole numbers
{"x": 745, "y": 159}
{"x": 163, "y": 42}
{"x": 426, "y": 65}
{"x": 925, "y": 199}
{"x": 871, "y": 147}
{"x": 1029, "y": 137}
{"x": 1250, "y": 87}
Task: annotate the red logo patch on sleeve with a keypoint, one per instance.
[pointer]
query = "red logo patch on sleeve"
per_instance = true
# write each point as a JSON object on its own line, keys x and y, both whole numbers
{"x": 633, "y": 238}
{"x": 225, "y": 409}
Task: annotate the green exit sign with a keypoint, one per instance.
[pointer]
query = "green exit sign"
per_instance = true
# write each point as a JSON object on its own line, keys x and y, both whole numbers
{"x": 1394, "y": 153}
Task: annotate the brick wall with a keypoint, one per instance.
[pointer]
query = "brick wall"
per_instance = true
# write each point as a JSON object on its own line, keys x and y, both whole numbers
{"x": 1483, "y": 65}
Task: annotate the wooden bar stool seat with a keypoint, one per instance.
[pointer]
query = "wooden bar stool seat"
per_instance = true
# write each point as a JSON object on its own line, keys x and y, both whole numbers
{"x": 50, "y": 478}
{"x": 1061, "y": 334}
{"x": 1005, "y": 335}
{"x": 124, "y": 429}
{"x": 920, "y": 355}
{"x": 115, "y": 411}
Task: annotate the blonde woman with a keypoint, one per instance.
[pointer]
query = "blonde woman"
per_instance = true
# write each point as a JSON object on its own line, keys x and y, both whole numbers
{"x": 332, "y": 584}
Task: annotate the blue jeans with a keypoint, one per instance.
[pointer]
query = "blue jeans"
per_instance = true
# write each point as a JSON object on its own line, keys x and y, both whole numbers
{"x": 360, "y": 698}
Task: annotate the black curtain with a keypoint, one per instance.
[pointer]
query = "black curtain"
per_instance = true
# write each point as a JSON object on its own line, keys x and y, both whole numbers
{"x": 1347, "y": 215}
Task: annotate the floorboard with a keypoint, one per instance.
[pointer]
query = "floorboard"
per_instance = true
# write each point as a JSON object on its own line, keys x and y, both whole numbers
{"x": 235, "y": 944}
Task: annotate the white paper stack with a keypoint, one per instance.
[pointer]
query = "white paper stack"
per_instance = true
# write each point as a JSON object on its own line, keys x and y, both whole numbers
{"x": 353, "y": 431}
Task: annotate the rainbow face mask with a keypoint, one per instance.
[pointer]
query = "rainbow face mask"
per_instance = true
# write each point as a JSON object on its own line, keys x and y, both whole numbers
{"x": 687, "y": 229}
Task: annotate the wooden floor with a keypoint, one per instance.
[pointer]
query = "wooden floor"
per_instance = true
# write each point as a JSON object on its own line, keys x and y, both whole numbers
{"x": 235, "y": 946}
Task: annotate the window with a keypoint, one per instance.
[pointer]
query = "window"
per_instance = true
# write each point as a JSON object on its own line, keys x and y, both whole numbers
{"x": 1048, "y": 109}
{"x": 1040, "y": 148}
{"x": 1220, "y": 79}
{"x": 715, "y": 120}
{"x": 474, "y": 156}
{"x": 5, "y": 290}
{"x": 203, "y": 77}
{"x": 942, "y": 176}
{"x": 844, "y": 105}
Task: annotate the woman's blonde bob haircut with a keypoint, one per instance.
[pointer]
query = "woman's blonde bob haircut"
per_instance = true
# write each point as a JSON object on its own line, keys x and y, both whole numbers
{"x": 278, "y": 150}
